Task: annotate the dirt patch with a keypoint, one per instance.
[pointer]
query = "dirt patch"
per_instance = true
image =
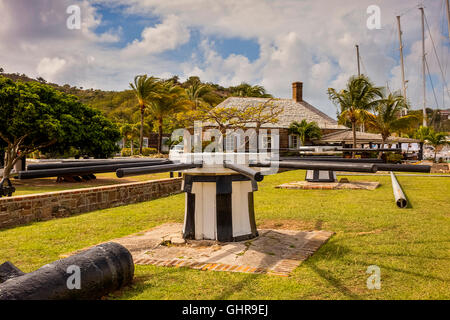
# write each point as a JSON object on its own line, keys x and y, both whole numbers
{"x": 369, "y": 232}
{"x": 290, "y": 225}
{"x": 350, "y": 185}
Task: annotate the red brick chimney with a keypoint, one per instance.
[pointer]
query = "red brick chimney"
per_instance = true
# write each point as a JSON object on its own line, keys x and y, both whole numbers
{"x": 297, "y": 91}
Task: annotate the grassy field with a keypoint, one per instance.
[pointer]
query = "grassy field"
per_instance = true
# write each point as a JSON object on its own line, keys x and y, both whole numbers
{"x": 24, "y": 187}
{"x": 411, "y": 246}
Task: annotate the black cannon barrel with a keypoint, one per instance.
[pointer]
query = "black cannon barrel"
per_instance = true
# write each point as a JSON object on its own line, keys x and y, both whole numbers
{"x": 87, "y": 163}
{"x": 403, "y": 167}
{"x": 155, "y": 169}
{"x": 102, "y": 269}
{"x": 245, "y": 171}
{"x": 321, "y": 165}
{"x": 333, "y": 159}
{"x": 83, "y": 170}
{"x": 369, "y": 150}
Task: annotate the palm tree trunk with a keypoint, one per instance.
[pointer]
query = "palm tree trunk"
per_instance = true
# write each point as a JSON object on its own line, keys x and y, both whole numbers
{"x": 421, "y": 151}
{"x": 132, "y": 147}
{"x": 435, "y": 153}
{"x": 257, "y": 139}
{"x": 141, "y": 136}
{"x": 160, "y": 133}
{"x": 383, "y": 141}
{"x": 354, "y": 137}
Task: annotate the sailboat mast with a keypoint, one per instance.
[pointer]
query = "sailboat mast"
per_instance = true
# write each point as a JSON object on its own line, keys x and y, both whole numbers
{"x": 423, "y": 69}
{"x": 357, "y": 59}
{"x": 401, "y": 59}
{"x": 448, "y": 18}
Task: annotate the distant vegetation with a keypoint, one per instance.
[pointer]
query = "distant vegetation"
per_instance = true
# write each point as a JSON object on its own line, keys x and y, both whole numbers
{"x": 362, "y": 104}
{"x": 137, "y": 114}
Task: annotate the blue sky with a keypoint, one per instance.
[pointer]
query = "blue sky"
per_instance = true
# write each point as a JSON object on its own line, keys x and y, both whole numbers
{"x": 132, "y": 26}
{"x": 266, "y": 42}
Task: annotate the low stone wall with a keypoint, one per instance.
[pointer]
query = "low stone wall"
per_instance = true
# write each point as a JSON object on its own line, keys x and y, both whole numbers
{"x": 20, "y": 210}
{"x": 440, "y": 168}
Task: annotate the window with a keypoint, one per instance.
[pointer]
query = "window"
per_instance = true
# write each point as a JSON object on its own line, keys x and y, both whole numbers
{"x": 266, "y": 142}
{"x": 145, "y": 142}
{"x": 293, "y": 141}
{"x": 230, "y": 142}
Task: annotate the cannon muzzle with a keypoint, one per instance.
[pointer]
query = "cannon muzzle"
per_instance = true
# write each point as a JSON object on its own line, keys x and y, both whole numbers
{"x": 245, "y": 171}
{"x": 101, "y": 270}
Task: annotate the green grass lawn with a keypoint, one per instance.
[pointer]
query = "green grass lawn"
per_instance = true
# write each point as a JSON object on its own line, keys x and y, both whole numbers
{"x": 411, "y": 246}
{"x": 24, "y": 187}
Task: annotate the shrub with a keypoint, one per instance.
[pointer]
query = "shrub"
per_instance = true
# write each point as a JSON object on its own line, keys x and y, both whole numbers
{"x": 148, "y": 151}
{"x": 394, "y": 157}
{"x": 126, "y": 152}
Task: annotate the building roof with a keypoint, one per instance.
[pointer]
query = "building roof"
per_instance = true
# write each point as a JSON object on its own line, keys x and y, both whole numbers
{"x": 361, "y": 137}
{"x": 292, "y": 111}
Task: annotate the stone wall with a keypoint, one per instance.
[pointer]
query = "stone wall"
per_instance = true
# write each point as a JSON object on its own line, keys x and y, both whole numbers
{"x": 20, "y": 210}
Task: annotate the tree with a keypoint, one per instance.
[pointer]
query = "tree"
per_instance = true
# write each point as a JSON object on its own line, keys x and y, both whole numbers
{"x": 170, "y": 99}
{"x": 99, "y": 136}
{"x": 261, "y": 114}
{"x": 196, "y": 91}
{"x": 129, "y": 132}
{"x": 35, "y": 116}
{"x": 421, "y": 134}
{"x": 359, "y": 96}
{"x": 305, "y": 130}
{"x": 225, "y": 118}
{"x": 436, "y": 139}
{"x": 386, "y": 119}
{"x": 247, "y": 90}
{"x": 145, "y": 89}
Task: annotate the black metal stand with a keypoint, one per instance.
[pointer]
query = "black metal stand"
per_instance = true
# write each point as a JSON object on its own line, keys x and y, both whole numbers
{"x": 224, "y": 207}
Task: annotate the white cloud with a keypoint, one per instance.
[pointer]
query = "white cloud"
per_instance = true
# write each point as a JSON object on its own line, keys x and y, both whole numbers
{"x": 168, "y": 35}
{"x": 49, "y": 67}
{"x": 309, "y": 41}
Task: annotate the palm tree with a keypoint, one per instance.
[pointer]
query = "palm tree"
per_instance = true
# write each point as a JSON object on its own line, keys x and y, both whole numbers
{"x": 305, "y": 130}
{"x": 359, "y": 96}
{"x": 129, "y": 132}
{"x": 196, "y": 91}
{"x": 247, "y": 90}
{"x": 437, "y": 139}
{"x": 170, "y": 100}
{"x": 145, "y": 89}
{"x": 421, "y": 134}
{"x": 386, "y": 119}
